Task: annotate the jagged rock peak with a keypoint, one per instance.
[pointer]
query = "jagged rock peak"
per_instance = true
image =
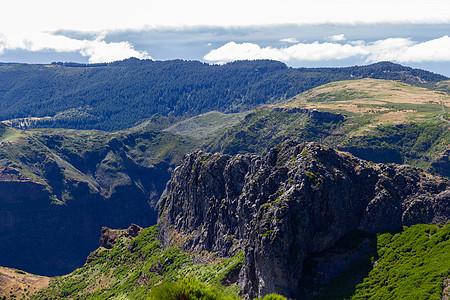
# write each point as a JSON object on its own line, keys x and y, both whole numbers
{"x": 109, "y": 237}
{"x": 297, "y": 199}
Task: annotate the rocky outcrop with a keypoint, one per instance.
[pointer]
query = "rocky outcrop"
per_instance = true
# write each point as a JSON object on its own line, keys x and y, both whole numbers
{"x": 108, "y": 237}
{"x": 296, "y": 200}
{"x": 442, "y": 164}
{"x": 321, "y": 116}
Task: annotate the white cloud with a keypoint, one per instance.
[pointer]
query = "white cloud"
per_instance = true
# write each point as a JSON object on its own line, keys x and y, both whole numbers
{"x": 29, "y": 25}
{"x": 101, "y": 51}
{"x": 393, "y": 49}
{"x": 289, "y": 40}
{"x": 322, "y": 51}
{"x": 98, "y": 15}
{"x": 309, "y": 52}
{"x": 404, "y": 50}
{"x": 97, "y": 50}
{"x": 337, "y": 37}
{"x": 245, "y": 51}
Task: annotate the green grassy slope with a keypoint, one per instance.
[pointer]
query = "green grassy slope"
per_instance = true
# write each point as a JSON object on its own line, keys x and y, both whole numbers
{"x": 207, "y": 125}
{"x": 382, "y": 101}
{"x": 77, "y": 155}
{"x": 384, "y": 121}
{"x": 134, "y": 266}
{"x": 413, "y": 263}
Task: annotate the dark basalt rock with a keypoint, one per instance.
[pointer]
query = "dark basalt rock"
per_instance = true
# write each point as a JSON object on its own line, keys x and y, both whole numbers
{"x": 296, "y": 200}
{"x": 108, "y": 237}
{"x": 133, "y": 231}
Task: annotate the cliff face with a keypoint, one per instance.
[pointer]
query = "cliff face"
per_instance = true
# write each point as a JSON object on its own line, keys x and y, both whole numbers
{"x": 53, "y": 239}
{"x": 296, "y": 200}
{"x": 58, "y": 190}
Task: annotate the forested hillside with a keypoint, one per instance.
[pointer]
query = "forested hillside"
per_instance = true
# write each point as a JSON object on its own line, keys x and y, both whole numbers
{"x": 117, "y": 95}
{"x": 59, "y": 186}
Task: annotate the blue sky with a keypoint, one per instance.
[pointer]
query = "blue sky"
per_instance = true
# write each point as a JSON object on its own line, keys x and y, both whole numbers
{"x": 299, "y": 33}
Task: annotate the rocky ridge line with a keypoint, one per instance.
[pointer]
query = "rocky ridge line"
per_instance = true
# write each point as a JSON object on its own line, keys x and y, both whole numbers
{"x": 296, "y": 200}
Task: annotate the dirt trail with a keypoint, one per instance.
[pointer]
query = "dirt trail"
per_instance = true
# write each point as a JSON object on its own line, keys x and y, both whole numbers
{"x": 20, "y": 283}
{"x": 444, "y": 119}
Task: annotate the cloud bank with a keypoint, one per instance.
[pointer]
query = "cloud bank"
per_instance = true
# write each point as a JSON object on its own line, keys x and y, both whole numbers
{"x": 337, "y": 37}
{"x": 401, "y": 50}
{"x": 289, "y": 40}
{"x": 97, "y": 50}
{"x": 31, "y": 25}
{"x": 98, "y": 15}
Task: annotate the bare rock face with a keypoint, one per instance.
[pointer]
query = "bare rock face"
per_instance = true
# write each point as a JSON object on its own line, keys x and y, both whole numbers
{"x": 108, "y": 237}
{"x": 133, "y": 231}
{"x": 298, "y": 199}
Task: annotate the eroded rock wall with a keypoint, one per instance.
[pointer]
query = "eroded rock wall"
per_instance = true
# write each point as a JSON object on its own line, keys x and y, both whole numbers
{"x": 298, "y": 199}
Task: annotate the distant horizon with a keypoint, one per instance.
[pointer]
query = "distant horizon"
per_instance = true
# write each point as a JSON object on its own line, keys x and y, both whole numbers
{"x": 213, "y": 63}
{"x": 300, "y": 33}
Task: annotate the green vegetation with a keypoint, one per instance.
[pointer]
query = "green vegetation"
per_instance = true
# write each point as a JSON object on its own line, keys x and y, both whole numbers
{"x": 410, "y": 264}
{"x": 408, "y": 143}
{"x": 382, "y": 124}
{"x": 207, "y": 125}
{"x": 117, "y": 95}
{"x": 140, "y": 269}
{"x": 193, "y": 289}
{"x": 188, "y": 289}
{"x": 274, "y": 297}
{"x": 265, "y": 128}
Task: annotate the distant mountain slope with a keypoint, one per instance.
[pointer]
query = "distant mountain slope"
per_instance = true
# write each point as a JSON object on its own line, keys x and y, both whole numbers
{"x": 114, "y": 96}
{"x": 59, "y": 187}
{"x": 86, "y": 180}
{"x": 378, "y": 120}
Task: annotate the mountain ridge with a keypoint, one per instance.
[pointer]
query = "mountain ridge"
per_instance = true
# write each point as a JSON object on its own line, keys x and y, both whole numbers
{"x": 298, "y": 199}
{"x": 64, "y": 167}
{"x": 296, "y": 221}
{"x": 117, "y": 95}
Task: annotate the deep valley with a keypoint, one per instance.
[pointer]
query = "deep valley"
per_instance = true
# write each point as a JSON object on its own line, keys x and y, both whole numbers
{"x": 245, "y": 180}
